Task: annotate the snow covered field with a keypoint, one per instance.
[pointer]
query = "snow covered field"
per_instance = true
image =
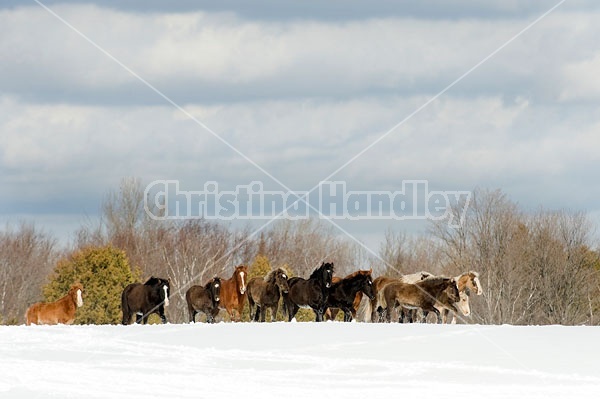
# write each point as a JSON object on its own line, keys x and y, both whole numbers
{"x": 299, "y": 360}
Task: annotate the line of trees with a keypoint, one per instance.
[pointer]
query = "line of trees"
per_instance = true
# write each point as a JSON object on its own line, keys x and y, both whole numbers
{"x": 538, "y": 268}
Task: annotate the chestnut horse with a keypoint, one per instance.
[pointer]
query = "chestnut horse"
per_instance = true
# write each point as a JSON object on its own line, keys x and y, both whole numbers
{"x": 61, "y": 311}
{"x": 233, "y": 293}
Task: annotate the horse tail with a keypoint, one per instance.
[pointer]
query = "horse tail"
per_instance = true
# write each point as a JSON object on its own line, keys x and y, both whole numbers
{"x": 364, "y": 310}
{"x": 27, "y": 316}
{"x": 125, "y": 306}
{"x": 284, "y": 309}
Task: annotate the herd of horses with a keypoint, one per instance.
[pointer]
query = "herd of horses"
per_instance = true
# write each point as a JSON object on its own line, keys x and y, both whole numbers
{"x": 388, "y": 298}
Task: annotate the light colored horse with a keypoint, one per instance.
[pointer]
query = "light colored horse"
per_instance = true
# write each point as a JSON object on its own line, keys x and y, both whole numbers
{"x": 61, "y": 311}
{"x": 467, "y": 282}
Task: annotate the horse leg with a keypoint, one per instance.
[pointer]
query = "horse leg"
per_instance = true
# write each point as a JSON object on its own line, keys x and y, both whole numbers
{"x": 424, "y": 316}
{"x": 240, "y": 310}
{"x": 274, "y": 309}
{"x": 191, "y": 313}
{"x": 319, "y": 314}
{"x": 138, "y": 318}
{"x": 126, "y": 318}
{"x": 250, "y": 306}
{"x": 437, "y": 314}
{"x": 256, "y": 314}
{"x": 161, "y": 313}
{"x": 445, "y": 315}
{"x": 388, "y": 313}
{"x": 263, "y": 313}
{"x": 375, "y": 314}
{"x": 292, "y": 310}
{"x": 347, "y": 315}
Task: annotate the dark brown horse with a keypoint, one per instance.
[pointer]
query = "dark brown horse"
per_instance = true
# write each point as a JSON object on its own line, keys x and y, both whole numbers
{"x": 311, "y": 293}
{"x": 145, "y": 299}
{"x": 61, "y": 311}
{"x": 343, "y": 294}
{"x": 421, "y": 295}
{"x": 331, "y": 313}
{"x": 379, "y": 284}
{"x": 204, "y": 299}
{"x": 265, "y": 293}
{"x": 233, "y": 293}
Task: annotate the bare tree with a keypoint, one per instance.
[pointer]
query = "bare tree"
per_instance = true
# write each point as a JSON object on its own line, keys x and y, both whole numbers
{"x": 27, "y": 256}
{"x": 304, "y": 244}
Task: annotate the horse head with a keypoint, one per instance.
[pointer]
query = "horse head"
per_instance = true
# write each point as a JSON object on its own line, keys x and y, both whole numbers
{"x": 76, "y": 292}
{"x": 367, "y": 287}
{"x": 241, "y": 272}
{"x": 281, "y": 280}
{"x": 452, "y": 290}
{"x": 215, "y": 289}
{"x": 163, "y": 287}
{"x": 463, "y": 305}
{"x": 326, "y": 272}
{"x": 474, "y": 282}
{"x": 425, "y": 275}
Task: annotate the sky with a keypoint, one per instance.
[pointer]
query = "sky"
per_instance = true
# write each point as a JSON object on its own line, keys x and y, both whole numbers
{"x": 464, "y": 94}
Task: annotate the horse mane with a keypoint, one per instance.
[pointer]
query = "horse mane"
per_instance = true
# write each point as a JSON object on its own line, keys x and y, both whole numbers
{"x": 357, "y": 275}
{"x": 270, "y": 277}
{"x": 362, "y": 272}
{"x": 153, "y": 281}
{"x": 210, "y": 282}
{"x": 75, "y": 287}
{"x": 434, "y": 280}
{"x": 318, "y": 270}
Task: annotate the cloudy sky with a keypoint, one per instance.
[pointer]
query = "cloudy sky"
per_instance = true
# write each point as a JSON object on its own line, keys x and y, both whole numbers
{"x": 143, "y": 89}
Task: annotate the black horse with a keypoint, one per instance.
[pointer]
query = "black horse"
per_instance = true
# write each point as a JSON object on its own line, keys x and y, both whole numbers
{"x": 343, "y": 293}
{"x": 204, "y": 299}
{"x": 311, "y": 293}
{"x": 265, "y": 293}
{"x": 145, "y": 299}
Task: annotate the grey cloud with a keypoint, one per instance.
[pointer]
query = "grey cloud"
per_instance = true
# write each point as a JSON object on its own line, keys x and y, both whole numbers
{"x": 334, "y": 10}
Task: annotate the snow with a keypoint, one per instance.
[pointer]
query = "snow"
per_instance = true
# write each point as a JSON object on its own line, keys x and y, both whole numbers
{"x": 299, "y": 360}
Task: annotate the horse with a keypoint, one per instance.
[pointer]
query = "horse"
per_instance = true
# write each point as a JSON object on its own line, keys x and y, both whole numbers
{"x": 233, "y": 293}
{"x": 343, "y": 293}
{"x": 61, "y": 311}
{"x": 311, "y": 293}
{"x": 380, "y": 282}
{"x": 145, "y": 299}
{"x": 204, "y": 299}
{"x": 331, "y": 313}
{"x": 423, "y": 295}
{"x": 265, "y": 293}
{"x": 467, "y": 282}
